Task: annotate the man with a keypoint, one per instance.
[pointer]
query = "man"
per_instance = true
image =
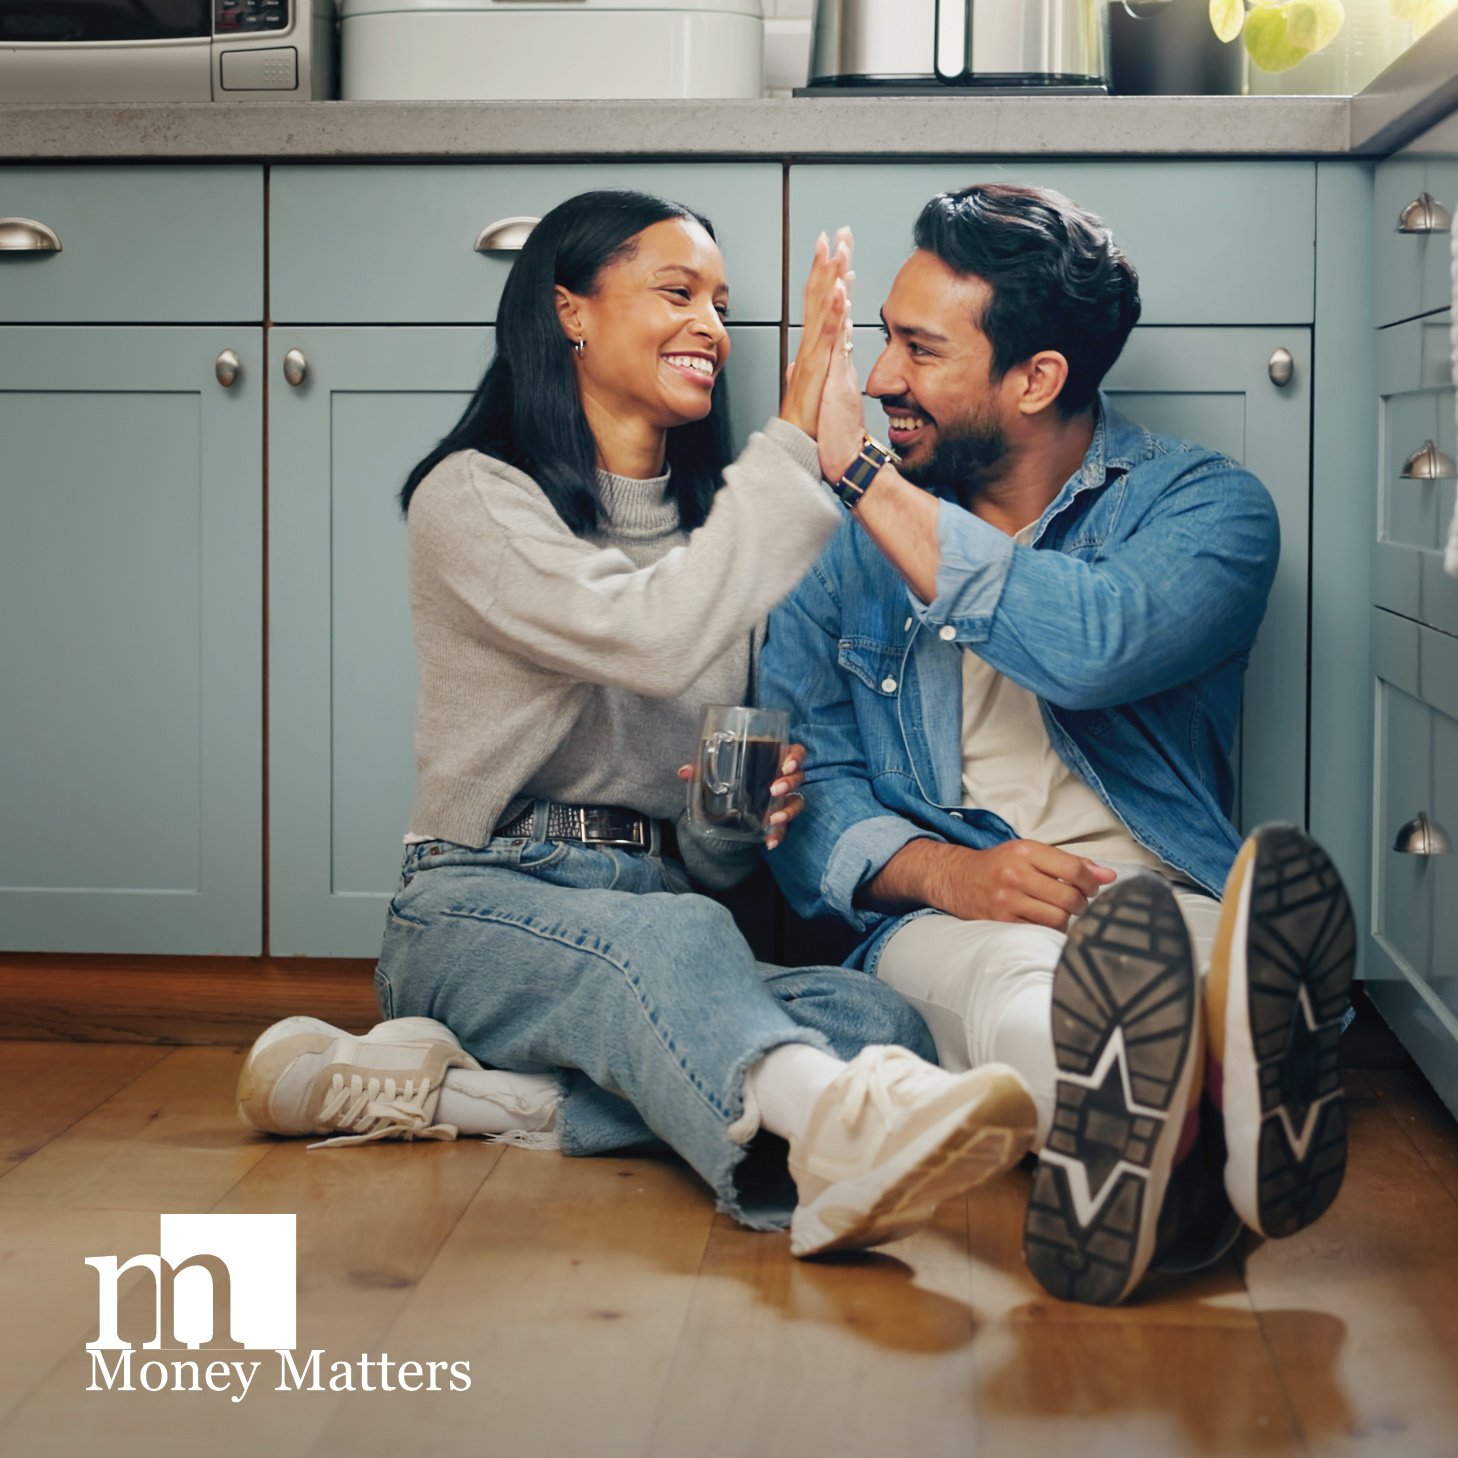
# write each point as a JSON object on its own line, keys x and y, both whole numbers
{"x": 1017, "y": 672}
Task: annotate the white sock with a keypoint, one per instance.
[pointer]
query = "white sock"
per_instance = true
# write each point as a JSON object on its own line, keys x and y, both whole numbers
{"x": 785, "y": 1084}
{"x": 489, "y": 1102}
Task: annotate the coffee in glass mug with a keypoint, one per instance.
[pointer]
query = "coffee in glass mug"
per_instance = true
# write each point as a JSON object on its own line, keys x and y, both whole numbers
{"x": 740, "y": 752}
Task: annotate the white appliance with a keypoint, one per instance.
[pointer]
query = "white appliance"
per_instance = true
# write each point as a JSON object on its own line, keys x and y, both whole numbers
{"x": 531, "y": 50}
{"x": 167, "y": 50}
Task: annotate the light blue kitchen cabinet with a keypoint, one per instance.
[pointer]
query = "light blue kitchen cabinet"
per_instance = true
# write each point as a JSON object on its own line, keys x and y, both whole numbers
{"x": 1412, "y": 972}
{"x": 131, "y": 649}
{"x": 1416, "y": 406}
{"x": 342, "y": 679}
{"x": 139, "y": 244}
{"x": 1413, "y": 242}
{"x": 1214, "y": 242}
{"x": 1213, "y": 386}
{"x": 381, "y": 244}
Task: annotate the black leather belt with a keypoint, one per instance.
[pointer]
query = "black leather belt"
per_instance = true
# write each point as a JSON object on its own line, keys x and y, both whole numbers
{"x": 591, "y": 824}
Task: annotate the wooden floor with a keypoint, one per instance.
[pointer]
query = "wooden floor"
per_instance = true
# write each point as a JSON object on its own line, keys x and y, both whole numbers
{"x": 605, "y": 1310}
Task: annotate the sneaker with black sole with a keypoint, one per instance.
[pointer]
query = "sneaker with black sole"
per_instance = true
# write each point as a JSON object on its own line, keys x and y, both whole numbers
{"x": 892, "y": 1137}
{"x": 1275, "y": 997}
{"x": 305, "y": 1076}
{"x": 1126, "y": 1035}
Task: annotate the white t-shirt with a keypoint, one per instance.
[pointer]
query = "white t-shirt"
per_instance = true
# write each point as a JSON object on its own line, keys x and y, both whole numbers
{"x": 1009, "y": 766}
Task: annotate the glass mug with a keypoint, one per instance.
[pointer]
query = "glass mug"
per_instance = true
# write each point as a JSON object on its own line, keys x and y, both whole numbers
{"x": 740, "y": 752}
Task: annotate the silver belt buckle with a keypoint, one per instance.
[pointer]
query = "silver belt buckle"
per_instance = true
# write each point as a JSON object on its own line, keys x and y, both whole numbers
{"x": 636, "y": 839}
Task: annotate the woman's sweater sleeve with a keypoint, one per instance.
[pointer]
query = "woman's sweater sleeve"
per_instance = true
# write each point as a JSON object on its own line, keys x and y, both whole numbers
{"x": 502, "y": 561}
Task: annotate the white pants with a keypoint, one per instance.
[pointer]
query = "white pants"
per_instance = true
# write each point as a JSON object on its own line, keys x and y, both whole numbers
{"x": 985, "y": 988}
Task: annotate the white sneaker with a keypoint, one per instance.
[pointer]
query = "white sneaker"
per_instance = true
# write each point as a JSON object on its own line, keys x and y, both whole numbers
{"x": 303, "y": 1076}
{"x": 892, "y": 1137}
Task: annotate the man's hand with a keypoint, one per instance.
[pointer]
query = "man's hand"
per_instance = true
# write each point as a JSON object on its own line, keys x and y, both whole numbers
{"x": 1019, "y": 881}
{"x": 842, "y": 424}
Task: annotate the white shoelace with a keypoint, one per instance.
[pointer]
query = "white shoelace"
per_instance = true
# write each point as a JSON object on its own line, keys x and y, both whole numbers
{"x": 377, "y": 1108}
{"x": 876, "y": 1080}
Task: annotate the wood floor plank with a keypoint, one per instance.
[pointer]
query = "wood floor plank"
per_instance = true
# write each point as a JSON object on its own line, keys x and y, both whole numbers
{"x": 1422, "y": 1116}
{"x": 857, "y": 1355}
{"x": 1086, "y": 1389}
{"x": 51, "y": 1085}
{"x": 565, "y": 1284}
{"x": 1360, "y": 1311}
{"x": 370, "y": 1221}
{"x": 169, "y": 1140}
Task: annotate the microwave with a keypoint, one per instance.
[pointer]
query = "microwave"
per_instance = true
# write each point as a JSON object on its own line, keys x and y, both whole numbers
{"x": 167, "y": 50}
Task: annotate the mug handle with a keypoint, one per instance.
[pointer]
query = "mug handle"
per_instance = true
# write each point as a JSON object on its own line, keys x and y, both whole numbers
{"x": 712, "y": 778}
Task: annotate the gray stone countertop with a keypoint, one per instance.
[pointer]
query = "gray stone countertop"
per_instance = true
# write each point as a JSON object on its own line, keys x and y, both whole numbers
{"x": 1418, "y": 90}
{"x": 853, "y": 127}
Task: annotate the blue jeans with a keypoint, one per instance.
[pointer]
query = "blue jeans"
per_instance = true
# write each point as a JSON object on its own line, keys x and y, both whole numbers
{"x": 602, "y": 965}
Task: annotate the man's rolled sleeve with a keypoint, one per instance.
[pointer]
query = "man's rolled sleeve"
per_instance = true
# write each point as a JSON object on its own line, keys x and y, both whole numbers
{"x": 975, "y": 560}
{"x": 860, "y": 854}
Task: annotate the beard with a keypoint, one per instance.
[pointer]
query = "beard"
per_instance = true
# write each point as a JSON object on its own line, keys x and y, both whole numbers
{"x": 963, "y": 452}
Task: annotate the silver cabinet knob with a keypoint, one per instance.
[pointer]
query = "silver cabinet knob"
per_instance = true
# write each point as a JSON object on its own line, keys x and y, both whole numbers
{"x": 1428, "y": 463}
{"x": 1422, "y": 837}
{"x": 296, "y": 367}
{"x": 25, "y": 235}
{"x": 1281, "y": 367}
{"x": 226, "y": 367}
{"x": 506, "y": 235}
{"x": 1424, "y": 214}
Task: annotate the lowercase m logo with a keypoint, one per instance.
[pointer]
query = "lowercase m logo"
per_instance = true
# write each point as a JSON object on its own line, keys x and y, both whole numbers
{"x": 220, "y": 1281}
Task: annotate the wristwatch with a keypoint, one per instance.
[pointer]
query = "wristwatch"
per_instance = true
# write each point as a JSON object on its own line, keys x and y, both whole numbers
{"x": 863, "y": 470}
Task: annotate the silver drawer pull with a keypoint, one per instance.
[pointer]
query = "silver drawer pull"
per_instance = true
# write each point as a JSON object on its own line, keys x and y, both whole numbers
{"x": 1280, "y": 367}
{"x": 296, "y": 367}
{"x": 1428, "y": 463}
{"x": 226, "y": 367}
{"x": 1424, "y": 214}
{"x": 25, "y": 235}
{"x": 506, "y": 235}
{"x": 1423, "y": 837}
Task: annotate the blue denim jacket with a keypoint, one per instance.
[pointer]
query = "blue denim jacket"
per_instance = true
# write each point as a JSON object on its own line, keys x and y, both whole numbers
{"x": 1131, "y": 615}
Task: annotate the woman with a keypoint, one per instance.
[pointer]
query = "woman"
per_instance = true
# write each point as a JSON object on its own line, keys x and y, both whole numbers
{"x": 587, "y": 573}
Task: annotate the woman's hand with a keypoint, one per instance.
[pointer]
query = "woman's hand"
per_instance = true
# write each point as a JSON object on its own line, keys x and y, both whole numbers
{"x": 788, "y": 802}
{"x": 826, "y": 305}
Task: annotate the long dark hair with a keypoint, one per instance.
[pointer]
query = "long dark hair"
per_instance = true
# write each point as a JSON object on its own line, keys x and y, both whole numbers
{"x": 526, "y": 410}
{"x": 1059, "y": 281}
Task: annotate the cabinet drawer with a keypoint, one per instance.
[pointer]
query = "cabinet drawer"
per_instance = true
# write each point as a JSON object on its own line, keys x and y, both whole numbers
{"x": 387, "y": 244}
{"x": 1214, "y": 243}
{"x": 1415, "y": 388}
{"x": 1415, "y": 897}
{"x": 156, "y": 245}
{"x": 1413, "y": 269}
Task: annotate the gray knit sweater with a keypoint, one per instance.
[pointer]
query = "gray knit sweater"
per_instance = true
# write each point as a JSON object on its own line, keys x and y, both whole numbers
{"x": 560, "y": 667}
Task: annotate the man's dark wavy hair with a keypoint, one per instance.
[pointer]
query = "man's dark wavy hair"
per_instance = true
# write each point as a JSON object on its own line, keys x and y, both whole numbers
{"x": 1058, "y": 279}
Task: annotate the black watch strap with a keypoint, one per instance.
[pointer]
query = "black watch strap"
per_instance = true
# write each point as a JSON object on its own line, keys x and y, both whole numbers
{"x": 863, "y": 470}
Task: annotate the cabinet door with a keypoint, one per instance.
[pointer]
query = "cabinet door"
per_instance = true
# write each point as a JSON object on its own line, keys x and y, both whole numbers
{"x": 342, "y": 679}
{"x": 1413, "y": 955}
{"x": 1212, "y": 386}
{"x": 1416, "y": 407}
{"x": 131, "y": 603}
